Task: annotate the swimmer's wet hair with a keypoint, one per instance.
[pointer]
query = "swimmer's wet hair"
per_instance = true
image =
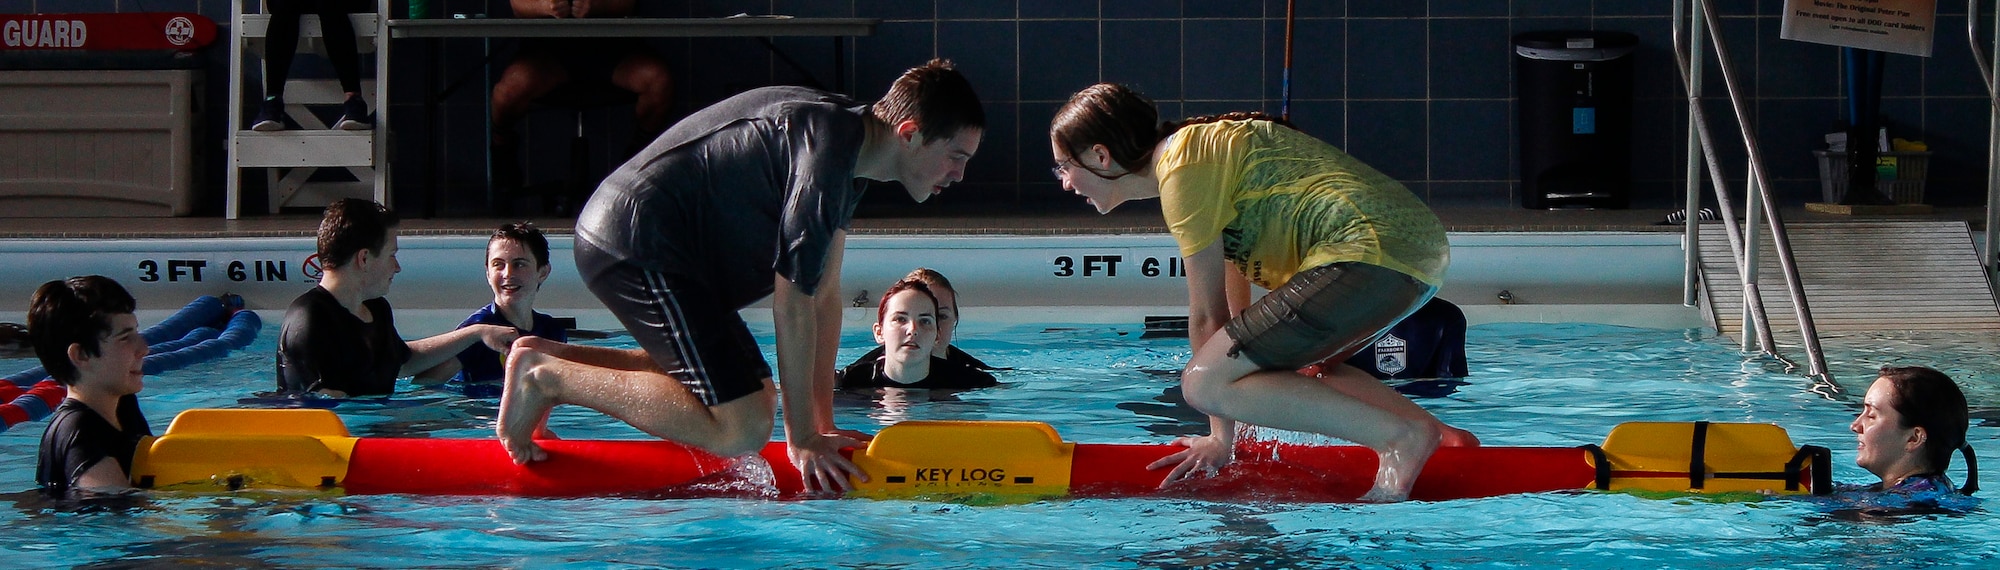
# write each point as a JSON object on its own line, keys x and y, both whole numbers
{"x": 352, "y": 225}
{"x": 1928, "y": 399}
{"x": 882, "y": 309}
{"x": 930, "y": 277}
{"x": 75, "y": 311}
{"x": 526, "y": 234}
{"x": 1126, "y": 123}
{"x": 935, "y": 280}
{"x": 937, "y": 97}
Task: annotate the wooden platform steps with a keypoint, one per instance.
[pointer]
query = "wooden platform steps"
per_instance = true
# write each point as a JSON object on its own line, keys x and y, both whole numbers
{"x": 1863, "y": 275}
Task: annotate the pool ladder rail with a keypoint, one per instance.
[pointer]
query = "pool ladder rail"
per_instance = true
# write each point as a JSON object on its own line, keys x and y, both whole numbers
{"x": 309, "y": 449}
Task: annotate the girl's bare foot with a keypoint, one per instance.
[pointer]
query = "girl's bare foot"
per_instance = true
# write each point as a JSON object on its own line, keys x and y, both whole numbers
{"x": 1400, "y": 462}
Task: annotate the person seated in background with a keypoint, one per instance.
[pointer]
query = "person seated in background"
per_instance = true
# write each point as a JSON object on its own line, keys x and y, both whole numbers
{"x": 544, "y": 64}
{"x": 906, "y": 330}
{"x": 947, "y": 324}
{"x": 1911, "y": 421}
{"x": 1429, "y": 344}
{"x": 282, "y": 42}
{"x": 339, "y": 339}
{"x": 14, "y": 341}
{"x": 86, "y": 336}
{"x": 517, "y": 264}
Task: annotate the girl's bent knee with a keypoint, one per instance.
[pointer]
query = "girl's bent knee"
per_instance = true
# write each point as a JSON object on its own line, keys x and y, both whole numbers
{"x": 1203, "y": 391}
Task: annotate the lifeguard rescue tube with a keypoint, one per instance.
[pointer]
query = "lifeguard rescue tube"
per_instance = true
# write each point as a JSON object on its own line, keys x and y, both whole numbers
{"x": 311, "y": 449}
{"x": 207, "y": 328}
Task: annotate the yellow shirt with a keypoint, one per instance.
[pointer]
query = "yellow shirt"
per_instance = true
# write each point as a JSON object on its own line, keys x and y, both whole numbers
{"x": 1280, "y": 202}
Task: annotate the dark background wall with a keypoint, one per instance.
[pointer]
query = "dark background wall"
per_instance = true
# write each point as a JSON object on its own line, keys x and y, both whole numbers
{"x": 1422, "y": 90}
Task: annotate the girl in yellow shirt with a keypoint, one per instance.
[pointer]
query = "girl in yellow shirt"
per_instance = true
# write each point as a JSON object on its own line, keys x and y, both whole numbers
{"x": 1345, "y": 251}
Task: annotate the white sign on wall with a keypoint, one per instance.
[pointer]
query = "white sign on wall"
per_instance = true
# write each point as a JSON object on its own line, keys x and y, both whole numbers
{"x": 1895, "y": 26}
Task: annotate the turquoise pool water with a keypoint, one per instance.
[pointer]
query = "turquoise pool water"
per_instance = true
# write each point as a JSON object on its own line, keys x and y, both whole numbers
{"x": 1539, "y": 384}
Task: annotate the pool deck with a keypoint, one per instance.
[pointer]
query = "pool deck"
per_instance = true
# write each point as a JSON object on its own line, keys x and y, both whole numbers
{"x": 1131, "y": 220}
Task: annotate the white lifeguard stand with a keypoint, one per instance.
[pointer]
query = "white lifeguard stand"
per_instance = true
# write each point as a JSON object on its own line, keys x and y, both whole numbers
{"x": 290, "y": 158}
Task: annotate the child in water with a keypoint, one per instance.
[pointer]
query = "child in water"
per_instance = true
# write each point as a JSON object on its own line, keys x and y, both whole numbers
{"x": 910, "y": 332}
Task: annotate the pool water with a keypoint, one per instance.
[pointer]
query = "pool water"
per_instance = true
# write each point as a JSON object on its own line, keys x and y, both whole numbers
{"x": 1531, "y": 384}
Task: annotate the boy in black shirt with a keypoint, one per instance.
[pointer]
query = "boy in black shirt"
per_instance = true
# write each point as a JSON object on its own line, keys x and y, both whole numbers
{"x": 748, "y": 198}
{"x": 86, "y": 336}
{"x": 339, "y": 338}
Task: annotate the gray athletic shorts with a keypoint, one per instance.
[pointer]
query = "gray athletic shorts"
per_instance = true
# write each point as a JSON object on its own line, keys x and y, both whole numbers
{"x": 689, "y": 331}
{"x": 1325, "y": 312}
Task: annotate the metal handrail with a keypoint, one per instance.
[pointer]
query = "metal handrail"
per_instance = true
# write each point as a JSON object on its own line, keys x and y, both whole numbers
{"x": 1692, "y": 233}
{"x": 1988, "y": 69}
{"x": 1743, "y": 243}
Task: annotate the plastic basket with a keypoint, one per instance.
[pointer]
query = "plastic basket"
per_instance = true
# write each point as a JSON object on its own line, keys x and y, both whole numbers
{"x": 1905, "y": 187}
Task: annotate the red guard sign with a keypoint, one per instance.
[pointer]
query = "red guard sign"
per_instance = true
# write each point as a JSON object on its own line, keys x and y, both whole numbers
{"x": 177, "y": 31}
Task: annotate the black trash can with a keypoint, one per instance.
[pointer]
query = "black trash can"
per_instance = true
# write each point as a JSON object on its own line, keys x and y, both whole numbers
{"x": 1574, "y": 97}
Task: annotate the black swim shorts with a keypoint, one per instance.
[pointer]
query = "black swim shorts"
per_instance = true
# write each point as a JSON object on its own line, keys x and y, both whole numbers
{"x": 1323, "y": 312}
{"x": 688, "y": 330}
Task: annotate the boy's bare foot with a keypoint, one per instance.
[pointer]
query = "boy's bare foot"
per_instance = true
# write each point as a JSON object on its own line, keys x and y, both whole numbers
{"x": 524, "y": 407}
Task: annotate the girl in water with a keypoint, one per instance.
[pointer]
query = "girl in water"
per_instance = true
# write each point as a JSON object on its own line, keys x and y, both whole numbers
{"x": 908, "y": 330}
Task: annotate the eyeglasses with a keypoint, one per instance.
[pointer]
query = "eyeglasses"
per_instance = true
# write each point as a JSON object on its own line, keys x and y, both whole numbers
{"x": 1061, "y": 171}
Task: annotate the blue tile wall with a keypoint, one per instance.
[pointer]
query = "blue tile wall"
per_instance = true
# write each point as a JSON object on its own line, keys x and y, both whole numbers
{"x": 1385, "y": 9}
{"x": 1058, "y": 9}
{"x": 1386, "y": 58}
{"x": 1323, "y": 118}
{"x": 1950, "y": 70}
{"x": 1424, "y": 90}
{"x": 894, "y": 9}
{"x": 1467, "y": 8}
{"x": 1206, "y": 9}
{"x": 984, "y": 10}
{"x": 1475, "y": 146}
{"x": 1464, "y": 54}
{"x": 1482, "y": 194}
{"x": 169, "y": 5}
{"x": 896, "y": 46}
{"x": 1319, "y": 59}
{"x": 1033, "y": 146}
{"x": 1050, "y": 53}
{"x": 1554, "y": 8}
{"x": 1307, "y": 9}
{"x": 985, "y": 50}
{"x": 1224, "y": 60}
{"x": 813, "y": 9}
{"x": 998, "y": 161}
{"x": 1141, "y": 8}
{"x": 1143, "y": 53}
{"x": 1392, "y": 136}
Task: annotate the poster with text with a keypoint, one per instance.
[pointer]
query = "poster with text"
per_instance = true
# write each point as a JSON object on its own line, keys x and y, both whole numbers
{"x": 1895, "y": 26}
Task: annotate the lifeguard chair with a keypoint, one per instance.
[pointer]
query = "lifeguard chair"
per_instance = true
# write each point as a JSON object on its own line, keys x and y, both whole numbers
{"x": 290, "y": 158}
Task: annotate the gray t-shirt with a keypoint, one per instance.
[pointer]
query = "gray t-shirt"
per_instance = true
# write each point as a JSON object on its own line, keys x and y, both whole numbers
{"x": 752, "y": 186}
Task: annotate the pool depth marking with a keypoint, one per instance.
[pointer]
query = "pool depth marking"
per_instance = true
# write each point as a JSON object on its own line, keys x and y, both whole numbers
{"x": 1106, "y": 265}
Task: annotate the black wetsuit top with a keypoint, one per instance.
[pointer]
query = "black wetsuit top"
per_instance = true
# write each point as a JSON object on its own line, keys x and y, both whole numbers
{"x": 1430, "y": 343}
{"x": 957, "y": 371}
{"x": 952, "y": 354}
{"x": 324, "y": 347}
{"x": 77, "y": 438}
{"x": 749, "y": 187}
